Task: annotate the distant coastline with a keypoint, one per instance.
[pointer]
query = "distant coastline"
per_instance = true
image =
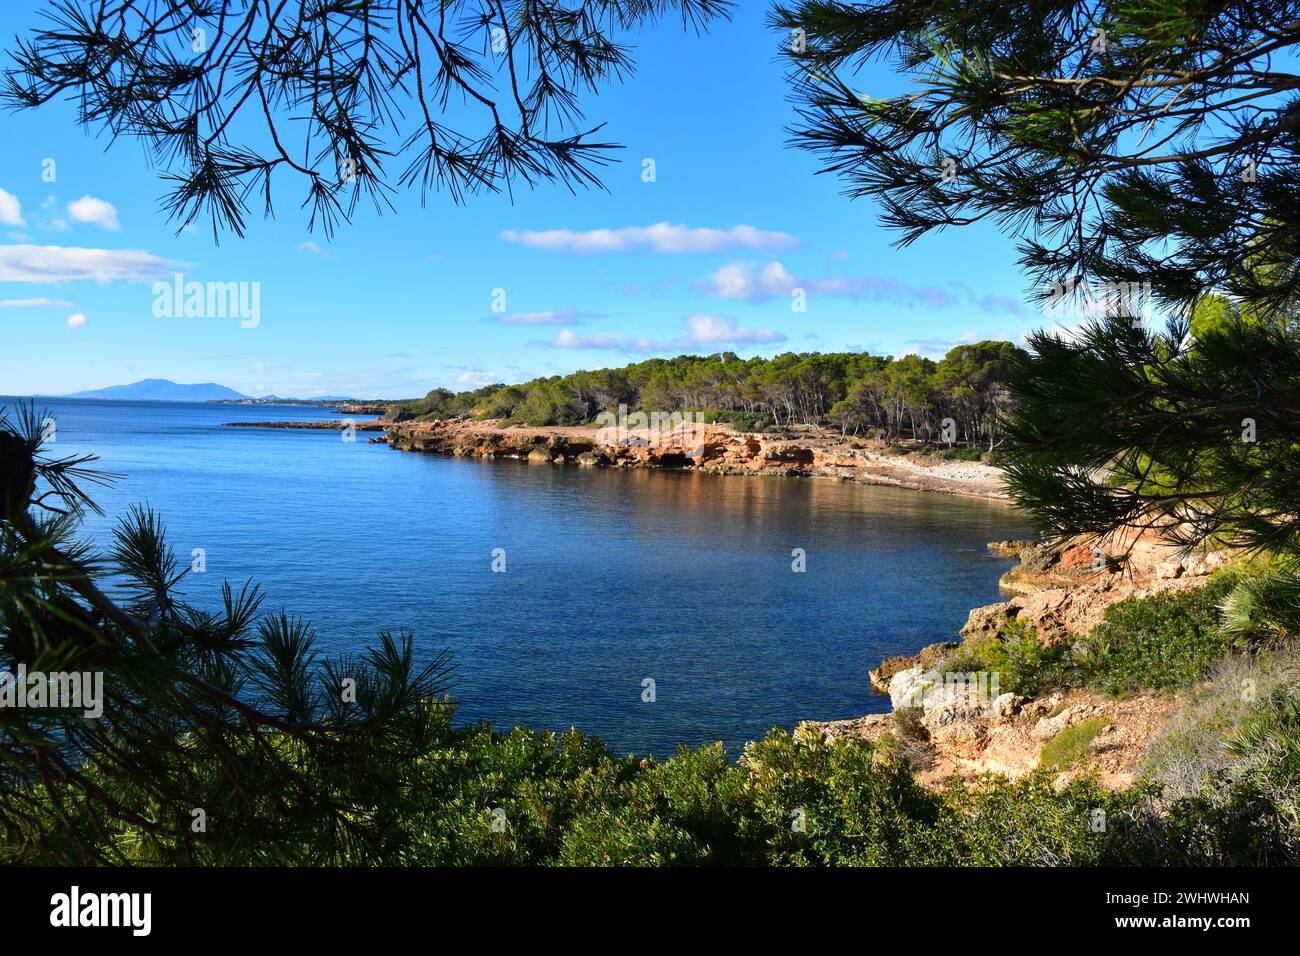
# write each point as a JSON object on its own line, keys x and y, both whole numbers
{"x": 199, "y": 393}
{"x": 343, "y": 407}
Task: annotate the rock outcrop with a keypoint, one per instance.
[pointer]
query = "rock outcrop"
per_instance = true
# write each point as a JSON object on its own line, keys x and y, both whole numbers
{"x": 1011, "y": 549}
{"x": 1007, "y": 738}
{"x": 1064, "y": 591}
{"x": 929, "y": 656}
{"x": 713, "y": 449}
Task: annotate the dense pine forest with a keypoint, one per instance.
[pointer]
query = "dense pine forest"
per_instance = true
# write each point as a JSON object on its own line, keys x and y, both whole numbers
{"x": 858, "y": 393}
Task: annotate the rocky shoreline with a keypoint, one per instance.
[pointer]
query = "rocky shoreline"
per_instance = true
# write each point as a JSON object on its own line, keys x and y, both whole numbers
{"x": 718, "y": 450}
{"x": 1061, "y": 593}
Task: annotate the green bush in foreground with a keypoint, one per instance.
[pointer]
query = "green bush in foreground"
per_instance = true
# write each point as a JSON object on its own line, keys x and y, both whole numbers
{"x": 534, "y": 798}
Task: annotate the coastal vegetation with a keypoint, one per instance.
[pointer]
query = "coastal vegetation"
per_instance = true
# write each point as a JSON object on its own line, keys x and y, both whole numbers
{"x": 226, "y": 740}
{"x": 1168, "y": 640}
{"x": 857, "y": 393}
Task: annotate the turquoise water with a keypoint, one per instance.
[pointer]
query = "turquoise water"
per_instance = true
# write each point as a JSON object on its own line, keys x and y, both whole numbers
{"x": 612, "y": 577}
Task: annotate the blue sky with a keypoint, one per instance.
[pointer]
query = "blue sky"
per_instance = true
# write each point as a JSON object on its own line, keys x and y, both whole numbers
{"x": 702, "y": 259}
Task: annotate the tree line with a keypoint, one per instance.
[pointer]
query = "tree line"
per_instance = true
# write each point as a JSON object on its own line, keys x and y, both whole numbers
{"x": 857, "y": 393}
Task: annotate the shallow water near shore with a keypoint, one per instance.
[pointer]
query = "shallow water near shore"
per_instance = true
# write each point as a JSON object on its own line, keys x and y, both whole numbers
{"x": 612, "y": 577}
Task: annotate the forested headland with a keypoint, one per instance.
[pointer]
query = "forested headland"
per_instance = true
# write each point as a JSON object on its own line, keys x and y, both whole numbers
{"x": 857, "y": 393}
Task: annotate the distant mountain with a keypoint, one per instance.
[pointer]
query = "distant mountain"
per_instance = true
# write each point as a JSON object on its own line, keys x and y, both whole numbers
{"x": 161, "y": 390}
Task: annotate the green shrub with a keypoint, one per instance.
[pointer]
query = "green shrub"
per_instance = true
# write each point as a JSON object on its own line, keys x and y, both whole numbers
{"x": 1023, "y": 663}
{"x": 1165, "y": 640}
{"x": 1264, "y": 606}
{"x": 751, "y": 421}
{"x": 1071, "y": 745}
{"x": 912, "y": 742}
{"x": 538, "y": 781}
{"x": 908, "y": 722}
{"x": 970, "y": 453}
{"x": 679, "y": 812}
{"x": 1266, "y": 752}
{"x": 965, "y": 659}
{"x": 809, "y": 802}
{"x": 536, "y": 798}
{"x": 1029, "y": 822}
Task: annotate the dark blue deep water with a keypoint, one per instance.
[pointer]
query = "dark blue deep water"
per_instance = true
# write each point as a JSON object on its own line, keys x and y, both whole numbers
{"x": 612, "y": 576}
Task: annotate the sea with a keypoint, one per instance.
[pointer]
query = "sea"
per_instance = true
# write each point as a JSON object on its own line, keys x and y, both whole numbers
{"x": 652, "y": 609}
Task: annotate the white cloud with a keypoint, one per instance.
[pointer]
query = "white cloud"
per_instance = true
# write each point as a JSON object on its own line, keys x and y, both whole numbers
{"x": 732, "y": 282}
{"x": 707, "y": 330}
{"x": 476, "y": 378}
{"x": 314, "y": 249}
{"x": 568, "y": 339}
{"x": 95, "y": 211}
{"x": 11, "y": 210}
{"x": 711, "y": 329}
{"x": 25, "y": 263}
{"x": 549, "y": 317}
{"x": 33, "y": 303}
{"x": 662, "y": 237}
{"x": 76, "y": 320}
{"x": 740, "y": 281}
